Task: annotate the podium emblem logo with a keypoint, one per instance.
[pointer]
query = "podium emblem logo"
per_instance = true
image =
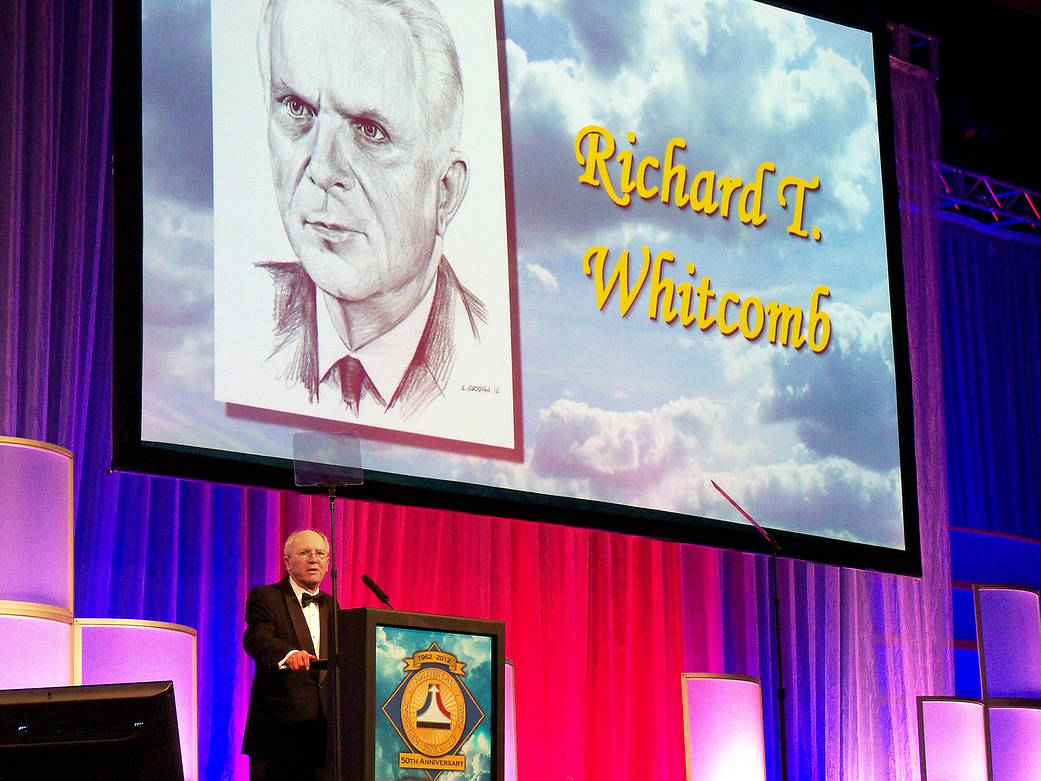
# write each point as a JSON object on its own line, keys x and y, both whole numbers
{"x": 433, "y": 712}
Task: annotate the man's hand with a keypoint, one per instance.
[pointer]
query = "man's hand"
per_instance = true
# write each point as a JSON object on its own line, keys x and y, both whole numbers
{"x": 300, "y": 660}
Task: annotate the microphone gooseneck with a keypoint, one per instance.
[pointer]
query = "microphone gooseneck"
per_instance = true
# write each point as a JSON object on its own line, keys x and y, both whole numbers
{"x": 381, "y": 595}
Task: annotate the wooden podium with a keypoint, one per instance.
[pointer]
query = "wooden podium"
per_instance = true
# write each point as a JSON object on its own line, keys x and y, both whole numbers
{"x": 422, "y": 696}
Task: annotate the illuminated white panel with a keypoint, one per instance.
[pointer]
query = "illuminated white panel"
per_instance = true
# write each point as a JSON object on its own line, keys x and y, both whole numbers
{"x": 1015, "y": 743}
{"x": 35, "y": 522}
{"x": 1009, "y": 635}
{"x": 723, "y": 728}
{"x": 124, "y": 651}
{"x": 35, "y": 650}
{"x": 953, "y": 739}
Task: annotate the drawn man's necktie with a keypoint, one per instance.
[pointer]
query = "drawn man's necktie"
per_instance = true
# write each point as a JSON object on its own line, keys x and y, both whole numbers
{"x": 352, "y": 377}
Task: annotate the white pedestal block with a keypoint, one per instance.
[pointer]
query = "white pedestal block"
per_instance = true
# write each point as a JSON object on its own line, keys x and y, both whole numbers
{"x": 36, "y": 646}
{"x": 952, "y": 738}
{"x": 127, "y": 651}
{"x": 723, "y": 727}
{"x": 36, "y": 523}
{"x": 1015, "y": 743}
{"x": 1008, "y": 632}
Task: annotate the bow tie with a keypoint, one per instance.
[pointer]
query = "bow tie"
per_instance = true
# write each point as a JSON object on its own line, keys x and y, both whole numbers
{"x": 307, "y": 599}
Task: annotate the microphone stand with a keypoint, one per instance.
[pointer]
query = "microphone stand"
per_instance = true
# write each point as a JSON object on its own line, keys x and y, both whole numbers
{"x": 775, "y": 548}
{"x": 330, "y": 461}
{"x": 334, "y": 640}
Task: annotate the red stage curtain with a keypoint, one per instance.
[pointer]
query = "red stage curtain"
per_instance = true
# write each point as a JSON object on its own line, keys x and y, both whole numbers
{"x": 599, "y": 625}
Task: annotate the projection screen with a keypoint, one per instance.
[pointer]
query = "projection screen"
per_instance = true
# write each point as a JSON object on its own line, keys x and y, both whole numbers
{"x": 548, "y": 260}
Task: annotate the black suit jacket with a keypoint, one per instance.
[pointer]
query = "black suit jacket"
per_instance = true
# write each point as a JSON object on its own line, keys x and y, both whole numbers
{"x": 287, "y": 710}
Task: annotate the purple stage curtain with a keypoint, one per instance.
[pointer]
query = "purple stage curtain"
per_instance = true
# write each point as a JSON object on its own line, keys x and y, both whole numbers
{"x": 992, "y": 340}
{"x": 599, "y": 625}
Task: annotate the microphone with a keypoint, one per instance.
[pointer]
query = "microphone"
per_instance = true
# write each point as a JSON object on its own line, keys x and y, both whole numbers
{"x": 774, "y": 547}
{"x": 381, "y": 595}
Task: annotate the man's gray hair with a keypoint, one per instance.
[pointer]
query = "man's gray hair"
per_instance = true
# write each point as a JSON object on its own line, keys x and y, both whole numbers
{"x": 436, "y": 59}
{"x": 297, "y": 533}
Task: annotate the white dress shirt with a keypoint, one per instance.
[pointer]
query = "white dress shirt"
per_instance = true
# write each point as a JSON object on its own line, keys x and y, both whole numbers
{"x": 311, "y": 616}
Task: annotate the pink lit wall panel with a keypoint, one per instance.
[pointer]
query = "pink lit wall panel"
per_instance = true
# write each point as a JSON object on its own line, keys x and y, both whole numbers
{"x": 953, "y": 739}
{"x": 1008, "y": 627}
{"x": 723, "y": 725}
{"x": 36, "y": 522}
{"x": 125, "y": 651}
{"x": 1015, "y": 743}
{"x": 510, "y": 721}
{"x": 35, "y": 651}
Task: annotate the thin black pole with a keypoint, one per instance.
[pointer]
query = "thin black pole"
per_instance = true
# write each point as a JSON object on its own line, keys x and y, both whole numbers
{"x": 334, "y": 640}
{"x": 782, "y": 731}
{"x": 775, "y": 548}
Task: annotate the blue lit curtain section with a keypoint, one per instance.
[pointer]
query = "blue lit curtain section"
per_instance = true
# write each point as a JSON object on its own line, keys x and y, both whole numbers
{"x": 992, "y": 368}
{"x": 599, "y": 625}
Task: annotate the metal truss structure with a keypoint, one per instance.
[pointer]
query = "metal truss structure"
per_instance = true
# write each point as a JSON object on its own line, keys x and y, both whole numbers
{"x": 990, "y": 201}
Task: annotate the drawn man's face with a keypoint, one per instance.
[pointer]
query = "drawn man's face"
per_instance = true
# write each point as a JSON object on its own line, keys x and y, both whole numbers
{"x": 364, "y": 183}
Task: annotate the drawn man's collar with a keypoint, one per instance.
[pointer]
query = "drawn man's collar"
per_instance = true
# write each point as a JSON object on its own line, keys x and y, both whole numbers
{"x": 385, "y": 359}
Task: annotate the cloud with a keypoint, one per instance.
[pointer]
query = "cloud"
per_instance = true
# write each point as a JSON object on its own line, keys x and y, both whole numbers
{"x": 792, "y": 96}
{"x": 667, "y": 457}
{"x": 178, "y": 266}
{"x": 843, "y": 401}
{"x": 540, "y": 7}
{"x": 832, "y": 497}
{"x": 177, "y": 317}
{"x": 685, "y": 70}
{"x": 543, "y": 276}
{"x": 603, "y": 29}
{"x": 616, "y": 452}
{"x": 477, "y": 751}
{"x": 176, "y": 102}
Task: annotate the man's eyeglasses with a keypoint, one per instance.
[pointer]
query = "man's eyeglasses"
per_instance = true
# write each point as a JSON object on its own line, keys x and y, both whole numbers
{"x": 321, "y": 555}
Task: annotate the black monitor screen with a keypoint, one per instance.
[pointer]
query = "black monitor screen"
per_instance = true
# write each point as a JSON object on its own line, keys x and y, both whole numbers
{"x": 110, "y": 731}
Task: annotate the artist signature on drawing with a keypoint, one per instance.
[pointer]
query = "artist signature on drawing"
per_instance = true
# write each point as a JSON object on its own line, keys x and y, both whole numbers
{"x": 478, "y": 388}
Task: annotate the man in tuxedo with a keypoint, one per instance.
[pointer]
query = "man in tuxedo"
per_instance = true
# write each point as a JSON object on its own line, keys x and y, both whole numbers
{"x": 364, "y": 102}
{"x": 287, "y": 628}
